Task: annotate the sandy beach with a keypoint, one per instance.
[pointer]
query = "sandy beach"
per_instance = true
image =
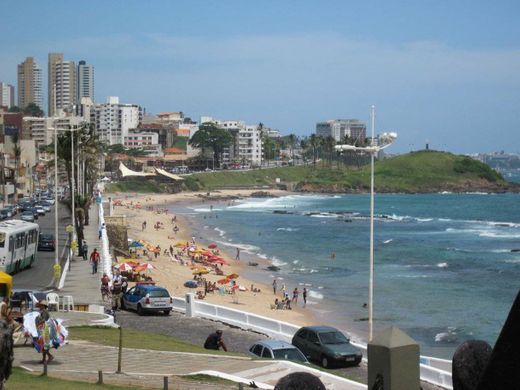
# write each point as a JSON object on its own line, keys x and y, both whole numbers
{"x": 172, "y": 275}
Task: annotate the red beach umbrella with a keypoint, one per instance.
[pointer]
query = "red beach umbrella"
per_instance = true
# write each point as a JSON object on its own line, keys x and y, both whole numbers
{"x": 223, "y": 281}
{"x": 212, "y": 246}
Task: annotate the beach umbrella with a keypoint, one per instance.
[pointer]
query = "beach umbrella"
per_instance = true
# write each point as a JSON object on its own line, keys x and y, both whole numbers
{"x": 223, "y": 281}
{"x": 207, "y": 254}
{"x": 200, "y": 271}
{"x": 212, "y": 246}
{"x": 132, "y": 262}
{"x": 218, "y": 261}
{"x": 135, "y": 244}
{"x": 180, "y": 245}
{"x": 190, "y": 284}
{"x": 233, "y": 276}
{"x": 124, "y": 267}
{"x": 145, "y": 267}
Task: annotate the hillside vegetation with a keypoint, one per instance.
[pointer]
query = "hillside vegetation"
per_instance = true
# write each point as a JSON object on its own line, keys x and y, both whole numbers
{"x": 424, "y": 171}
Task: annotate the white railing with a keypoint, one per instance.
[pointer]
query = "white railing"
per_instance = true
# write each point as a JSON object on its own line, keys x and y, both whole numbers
{"x": 106, "y": 258}
{"x": 432, "y": 370}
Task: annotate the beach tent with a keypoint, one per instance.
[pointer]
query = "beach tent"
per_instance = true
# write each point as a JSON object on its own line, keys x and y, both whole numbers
{"x": 126, "y": 172}
{"x": 169, "y": 175}
{"x": 136, "y": 244}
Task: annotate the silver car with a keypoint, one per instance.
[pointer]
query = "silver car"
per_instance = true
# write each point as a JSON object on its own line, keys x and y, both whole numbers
{"x": 147, "y": 298}
{"x": 277, "y": 349}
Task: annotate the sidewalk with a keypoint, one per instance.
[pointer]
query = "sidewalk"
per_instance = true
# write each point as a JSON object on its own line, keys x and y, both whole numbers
{"x": 81, "y": 358}
{"x": 80, "y": 283}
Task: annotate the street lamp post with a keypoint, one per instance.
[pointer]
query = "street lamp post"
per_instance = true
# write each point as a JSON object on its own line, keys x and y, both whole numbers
{"x": 385, "y": 140}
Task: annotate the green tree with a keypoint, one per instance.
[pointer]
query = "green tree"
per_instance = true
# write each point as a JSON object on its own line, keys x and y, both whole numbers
{"x": 32, "y": 109}
{"x": 17, "y": 151}
{"x": 210, "y": 136}
{"x": 314, "y": 143}
{"x": 292, "y": 142}
{"x": 15, "y": 109}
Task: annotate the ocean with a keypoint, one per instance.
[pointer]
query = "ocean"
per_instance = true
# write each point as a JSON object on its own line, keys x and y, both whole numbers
{"x": 446, "y": 265}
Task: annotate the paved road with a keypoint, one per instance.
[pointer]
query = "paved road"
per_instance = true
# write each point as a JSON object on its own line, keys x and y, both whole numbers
{"x": 39, "y": 276}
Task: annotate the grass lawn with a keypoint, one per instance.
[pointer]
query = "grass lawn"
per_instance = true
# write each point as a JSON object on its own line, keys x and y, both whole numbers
{"x": 23, "y": 380}
{"x": 136, "y": 339}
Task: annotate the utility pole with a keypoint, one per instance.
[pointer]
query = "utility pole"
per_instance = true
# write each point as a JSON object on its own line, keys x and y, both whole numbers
{"x": 3, "y": 178}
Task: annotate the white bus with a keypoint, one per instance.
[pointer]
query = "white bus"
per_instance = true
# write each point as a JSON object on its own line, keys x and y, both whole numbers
{"x": 18, "y": 245}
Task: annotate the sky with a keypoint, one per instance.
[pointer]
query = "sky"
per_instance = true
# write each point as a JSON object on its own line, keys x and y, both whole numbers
{"x": 441, "y": 72}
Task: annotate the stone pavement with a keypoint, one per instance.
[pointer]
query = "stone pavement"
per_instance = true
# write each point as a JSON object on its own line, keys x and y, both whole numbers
{"x": 80, "y": 282}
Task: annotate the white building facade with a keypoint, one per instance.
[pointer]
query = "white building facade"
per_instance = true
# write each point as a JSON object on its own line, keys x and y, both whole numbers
{"x": 85, "y": 77}
{"x": 6, "y": 95}
{"x": 112, "y": 120}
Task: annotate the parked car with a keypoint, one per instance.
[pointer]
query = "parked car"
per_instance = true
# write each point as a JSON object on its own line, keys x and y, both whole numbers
{"x": 46, "y": 206}
{"x": 4, "y": 214}
{"x": 40, "y": 210}
{"x": 145, "y": 298}
{"x": 24, "y": 298}
{"x": 46, "y": 242}
{"x": 326, "y": 345}
{"x": 276, "y": 349}
{"x": 27, "y": 216}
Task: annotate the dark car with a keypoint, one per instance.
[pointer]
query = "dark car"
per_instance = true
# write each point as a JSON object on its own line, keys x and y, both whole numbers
{"x": 46, "y": 243}
{"x": 4, "y": 214}
{"x": 23, "y": 299}
{"x": 145, "y": 298}
{"x": 326, "y": 345}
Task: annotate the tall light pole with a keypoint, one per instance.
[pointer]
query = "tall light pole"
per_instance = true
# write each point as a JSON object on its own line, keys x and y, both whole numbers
{"x": 56, "y": 259}
{"x": 73, "y": 199}
{"x": 385, "y": 140}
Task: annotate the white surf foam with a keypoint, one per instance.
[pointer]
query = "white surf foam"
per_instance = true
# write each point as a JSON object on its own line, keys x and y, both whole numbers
{"x": 315, "y": 295}
{"x": 221, "y": 232}
{"x": 442, "y": 265}
{"x": 288, "y": 229}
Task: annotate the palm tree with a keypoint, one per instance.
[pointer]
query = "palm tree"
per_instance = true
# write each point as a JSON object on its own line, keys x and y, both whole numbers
{"x": 314, "y": 143}
{"x": 17, "y": 151}
{"x": 292, "y": 141}
{"x": 328, "y": 144}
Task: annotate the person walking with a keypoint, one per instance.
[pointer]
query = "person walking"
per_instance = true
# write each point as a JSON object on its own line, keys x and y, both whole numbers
{"x": 304, "y": 295}
{"x": 215, "y": 341}
{"x": 295, "y": 295}
{"x": 100, "y": 231}
{"x": 117, "y": 292}
{"x": 237, "y": 257}
{"x": 274, "y": 286}
{"x": 94, "y": 260}
{"x": 84, "y": 248}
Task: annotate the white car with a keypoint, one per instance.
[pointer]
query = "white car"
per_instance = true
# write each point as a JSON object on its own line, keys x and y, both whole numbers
{"x": 40, "y": 210}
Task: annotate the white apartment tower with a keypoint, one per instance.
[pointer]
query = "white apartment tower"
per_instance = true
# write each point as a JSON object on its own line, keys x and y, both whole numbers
{"x": 85, "y": 87}
{"x": 113, "y": 120}
{"x": 65, "y": 78}
{"x": 6, "y": 95}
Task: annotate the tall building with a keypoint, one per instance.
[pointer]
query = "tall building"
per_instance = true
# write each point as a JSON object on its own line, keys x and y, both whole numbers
{"x": 6, "y": 95}
{"x": 341, "y": 128}
{"x": 29, "y": 83}
{"x": 65, "y": 83}
{"x": 85, "y": 87}
{"x": 113, "y": 120}
{"x": 53, "y": 59}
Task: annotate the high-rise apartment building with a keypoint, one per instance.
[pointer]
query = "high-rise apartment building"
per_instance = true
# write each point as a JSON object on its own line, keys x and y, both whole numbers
{"x": 85, "y": 88}
{"x": 29, "y": 83}
{"x": 65, "y": 78}
{"x": 6, "y": 95}
{"x": 341, "y": 128}
{"x": 53, "y": 59}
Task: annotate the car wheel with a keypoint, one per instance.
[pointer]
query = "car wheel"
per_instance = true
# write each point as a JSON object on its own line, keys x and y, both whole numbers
{"x": 167, "y": 312}
{"x": 140, "y": 310}
{"x": 325, "y": 362}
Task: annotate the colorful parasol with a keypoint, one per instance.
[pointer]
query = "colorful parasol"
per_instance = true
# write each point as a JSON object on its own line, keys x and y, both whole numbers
{"x": 200, "y": 271}
{"x": 124, "y": 267}
{"x": 232, "y": 276}
{"x": 212, "y": 246}
{"x": 145, "y": 267}
{"x": 135, "y": 244}
{"x": 223, "y": 281}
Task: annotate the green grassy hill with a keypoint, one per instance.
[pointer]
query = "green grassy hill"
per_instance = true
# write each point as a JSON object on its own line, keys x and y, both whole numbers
{"x": 424, "y": 171}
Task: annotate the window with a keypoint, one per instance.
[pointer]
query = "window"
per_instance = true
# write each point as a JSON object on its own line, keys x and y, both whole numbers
{"x": 2, "y": 239}
{"x": 312, "y": 337}
{"x": 302, "y": 334}
{"x": 257, "y": 349}
{"x": 266, "y": 353}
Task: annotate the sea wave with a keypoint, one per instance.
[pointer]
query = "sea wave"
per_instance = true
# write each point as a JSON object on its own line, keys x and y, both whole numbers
{"x": 498, "y": 235}
{"x": 290, "y": 201}
{"x": 288, "y": 229}
{"x": 315, "y": 295}
{"x": 277, "y": 262}
{"x": 221, "y": 232}
{"x": 442, "y": 265}
{"x": 512, "y": 261}
{"x": 251, "y": 249}
{"x": 206, "y": 210}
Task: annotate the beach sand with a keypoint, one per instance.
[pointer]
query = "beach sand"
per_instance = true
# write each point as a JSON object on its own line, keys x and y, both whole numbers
{"x": 172, "y": 275}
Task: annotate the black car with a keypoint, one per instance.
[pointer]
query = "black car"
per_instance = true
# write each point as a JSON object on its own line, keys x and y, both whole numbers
{"x": 326, "y": 345}
{"x": 46, "y": 243}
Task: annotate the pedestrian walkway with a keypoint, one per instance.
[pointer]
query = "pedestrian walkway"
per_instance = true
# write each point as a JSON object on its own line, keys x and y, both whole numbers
{"x": 80, "y": 283}
{"x": 86, "y": 357}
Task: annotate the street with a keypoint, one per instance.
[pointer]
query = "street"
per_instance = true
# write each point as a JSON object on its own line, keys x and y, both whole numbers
{"x": 39, "y": 276}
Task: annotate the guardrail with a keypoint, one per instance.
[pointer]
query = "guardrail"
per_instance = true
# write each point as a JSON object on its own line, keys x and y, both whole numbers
{"x": 106, "y": 257}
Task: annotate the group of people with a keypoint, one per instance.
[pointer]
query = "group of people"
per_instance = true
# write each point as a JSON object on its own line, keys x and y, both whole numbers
{"x": 286, "y": 299}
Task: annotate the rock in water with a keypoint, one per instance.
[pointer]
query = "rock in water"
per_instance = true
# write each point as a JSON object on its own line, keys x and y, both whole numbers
{"x": 6, "y": 352}
{"x": 469, "y": 361}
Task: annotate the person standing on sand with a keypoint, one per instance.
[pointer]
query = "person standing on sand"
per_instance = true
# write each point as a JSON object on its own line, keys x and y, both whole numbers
{"x": 283, "y": 291}
{"x": 274, "y": 286}
{"x": 237, "y": 257}
{"x": 304, "y": 295}
{"x": 143, "y": 226}
{"x": 295, "y": 295}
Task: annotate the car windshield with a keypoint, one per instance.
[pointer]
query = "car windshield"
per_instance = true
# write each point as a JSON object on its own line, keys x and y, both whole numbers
{"x": 46, "y": 237}
{"x": 332, "y": 338}
{"x": 27, "y": 213}
{"x": 158, "y": 294}
{"x": 289, "y": 354}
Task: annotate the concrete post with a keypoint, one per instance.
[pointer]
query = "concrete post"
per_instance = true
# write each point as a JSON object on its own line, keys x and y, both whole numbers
{"x": 110, "y": 206}
{"x": 190, "y": 305}
{"x": 393, "y": 361}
